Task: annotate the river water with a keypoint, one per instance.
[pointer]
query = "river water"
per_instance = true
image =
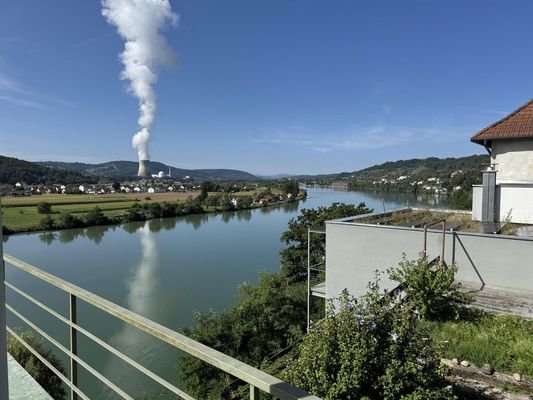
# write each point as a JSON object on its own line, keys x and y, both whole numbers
{"x": 163, "y": 269}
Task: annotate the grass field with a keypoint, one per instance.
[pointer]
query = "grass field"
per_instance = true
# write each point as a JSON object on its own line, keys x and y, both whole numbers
{"x": 505, "y": 342}
{"x": 20, "y": 213}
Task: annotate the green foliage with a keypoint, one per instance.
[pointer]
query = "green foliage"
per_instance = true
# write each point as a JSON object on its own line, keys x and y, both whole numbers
{"x": 13, "y": 170}
{"x": 505, "y": 342}
{"x": 40, "y": 372}
{"x": 135, "y": 213}
{"x": 370, "y": 348}
{"x": 266, "y": 318}
{"x": 47, "y": 223}
{"x": 431, "y": 288}
{"x": 96, "y": 217}
{"x": 44, "y": 208}
{"x": 290, "y": 186}
{"x": 294, "y": 256}
{"x": 462, "y": 199}
{"x": 67, "y": 220}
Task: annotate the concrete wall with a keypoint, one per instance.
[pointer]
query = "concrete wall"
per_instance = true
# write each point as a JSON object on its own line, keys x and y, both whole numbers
{"x": 514, "y": 159}
{"x": 354, "y": 251}
{"x": 477, "y": 202}
{"x": 514, "y": 202}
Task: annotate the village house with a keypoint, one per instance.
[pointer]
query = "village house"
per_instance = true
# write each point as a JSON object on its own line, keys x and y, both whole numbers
{"x": 507, "y": 190}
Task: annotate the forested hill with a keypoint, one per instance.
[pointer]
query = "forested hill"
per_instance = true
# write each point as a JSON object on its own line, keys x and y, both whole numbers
{"x": 120, "y": 170}
{"x": 420, "y": 169}
{"x": 13, "y": 170}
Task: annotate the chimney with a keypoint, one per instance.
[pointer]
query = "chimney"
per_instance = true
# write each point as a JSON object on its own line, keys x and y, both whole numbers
{"x": 488, "y": 206}
{"x": 144, "y": 168}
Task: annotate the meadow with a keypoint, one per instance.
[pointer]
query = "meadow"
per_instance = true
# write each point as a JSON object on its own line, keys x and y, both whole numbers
{"x": 20, "y": 213}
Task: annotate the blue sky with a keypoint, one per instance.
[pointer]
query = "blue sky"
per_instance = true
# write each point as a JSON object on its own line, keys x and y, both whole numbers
{"x": 269, "y": 87}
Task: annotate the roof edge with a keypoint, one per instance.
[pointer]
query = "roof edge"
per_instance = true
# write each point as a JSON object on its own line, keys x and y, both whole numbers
{"x": 481, "y": 141}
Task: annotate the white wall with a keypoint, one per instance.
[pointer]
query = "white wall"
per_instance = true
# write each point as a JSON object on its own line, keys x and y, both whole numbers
{"x": 477, "y": 202}
{"x": 516, "y": 203}
{"x": 514, "y": 159}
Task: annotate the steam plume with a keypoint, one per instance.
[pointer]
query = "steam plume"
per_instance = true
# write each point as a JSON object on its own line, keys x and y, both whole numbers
{"x": 140, "y": 22}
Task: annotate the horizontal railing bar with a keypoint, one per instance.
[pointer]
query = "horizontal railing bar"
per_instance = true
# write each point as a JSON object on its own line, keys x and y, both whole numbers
{"x": 106, "y": 346}
{"x": 230, "y": 365}
{"x": 48, "y": 364}
{"x": 90, "y": 369}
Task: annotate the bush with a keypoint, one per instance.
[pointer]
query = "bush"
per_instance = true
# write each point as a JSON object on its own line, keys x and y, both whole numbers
{"x": 135, "y": 213}
{"x": 40, "y": 372}
{"x": 44, "y": 208}
{"x": 67, "y": 220}
{"x": 431, "y": 289}
{"x": 96, "y": 217}
{"x": 47, "y": 223}
{"x": 370, "y": 348}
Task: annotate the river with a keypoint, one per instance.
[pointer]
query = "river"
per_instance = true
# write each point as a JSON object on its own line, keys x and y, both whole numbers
{"x": 163, "y": 269}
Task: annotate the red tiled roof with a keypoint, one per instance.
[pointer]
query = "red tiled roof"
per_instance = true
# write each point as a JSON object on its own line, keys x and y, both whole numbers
{"x": 518, "y": 124}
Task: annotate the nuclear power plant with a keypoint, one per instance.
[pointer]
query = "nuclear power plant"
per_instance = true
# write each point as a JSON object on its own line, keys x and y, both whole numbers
{"x": 144, "y": 168}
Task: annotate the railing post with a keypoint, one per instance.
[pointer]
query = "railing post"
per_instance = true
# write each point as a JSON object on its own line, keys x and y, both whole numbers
{"x": 73, "y": 347}
{"x": 443, "y": 242}
{"x": 254, "y": 393}
{"x": 308, "y": 277}
{"x": 425, "y": 240}
{"x": 4, "y": 387}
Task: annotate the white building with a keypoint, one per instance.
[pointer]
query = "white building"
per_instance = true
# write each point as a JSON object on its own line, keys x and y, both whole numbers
{"x": 507, "y": 190}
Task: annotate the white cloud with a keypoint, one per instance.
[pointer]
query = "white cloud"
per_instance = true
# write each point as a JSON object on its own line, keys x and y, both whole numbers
{"x": 359, "y": 139}
{"x": 14, "y": 92}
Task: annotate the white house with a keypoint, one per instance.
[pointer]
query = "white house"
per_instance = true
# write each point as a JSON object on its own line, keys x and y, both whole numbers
{"x": 507, "y": 190}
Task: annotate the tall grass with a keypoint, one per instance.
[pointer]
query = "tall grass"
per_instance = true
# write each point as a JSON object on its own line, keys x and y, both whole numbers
{"x": 505, "y": 342}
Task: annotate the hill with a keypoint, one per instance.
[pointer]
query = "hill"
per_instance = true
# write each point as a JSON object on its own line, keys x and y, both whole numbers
{"x": 120, "y": 170}
{"x": 416, "y": 168}
{"x": 13, "y": 170}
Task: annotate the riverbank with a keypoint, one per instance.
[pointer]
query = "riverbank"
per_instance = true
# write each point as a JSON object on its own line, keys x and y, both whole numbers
{"x": 21, "y": 214}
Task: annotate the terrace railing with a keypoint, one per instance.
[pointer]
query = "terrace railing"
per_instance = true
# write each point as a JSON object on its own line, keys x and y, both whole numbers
{"x": 258, "y": 381}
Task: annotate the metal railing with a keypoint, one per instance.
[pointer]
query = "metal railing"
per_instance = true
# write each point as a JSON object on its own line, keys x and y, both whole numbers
{"x": 257, "y": 380}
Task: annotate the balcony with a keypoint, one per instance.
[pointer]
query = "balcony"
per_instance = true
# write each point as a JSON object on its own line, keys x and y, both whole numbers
{"x": 257, "y": 381}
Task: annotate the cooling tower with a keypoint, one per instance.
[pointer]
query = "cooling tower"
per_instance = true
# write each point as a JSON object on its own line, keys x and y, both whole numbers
{"x": 144, "y": 168}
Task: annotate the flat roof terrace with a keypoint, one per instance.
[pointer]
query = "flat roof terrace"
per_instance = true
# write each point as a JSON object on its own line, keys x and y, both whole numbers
{"x": 454, "y": 221}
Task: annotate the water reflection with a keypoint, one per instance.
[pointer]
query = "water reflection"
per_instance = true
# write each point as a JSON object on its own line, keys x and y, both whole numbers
{"x": 142, "y": 298}
{"x": 47, "y": 237}
{"x": 94, "y": 234}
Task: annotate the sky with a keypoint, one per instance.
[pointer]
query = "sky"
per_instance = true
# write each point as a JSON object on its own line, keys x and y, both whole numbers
{"x": 278, "y": 86}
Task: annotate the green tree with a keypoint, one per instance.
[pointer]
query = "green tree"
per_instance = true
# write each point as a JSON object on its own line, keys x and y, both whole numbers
{"x": 370, "y": 348}
{"x": 67, "y": 220}
{"x": 244, "y": 202}
{"x": 294, "y": 256}
{"x": 155, "y": 210}
{"x": 266, "y": 318}
{"x": 96, "y": 217}
{"x": 40, "y": 372}
{"x": 135, "y": 213}
{"x": 290, "y": 186}
{"x": 44, "y": 208}
{"x": 47, "y": 223}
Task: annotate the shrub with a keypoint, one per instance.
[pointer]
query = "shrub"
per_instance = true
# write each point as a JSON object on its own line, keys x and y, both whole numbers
{"x": 96, "y": 217}
{"x": 44, "y": 208}
{"x": 135, "y": 213}
{"x": 67, "y": 220}
{"x": 370, "y": 348}
{"x": 431, "y": 289}
{"x": 40, "y": 372}
{"x": 47, "y": 223}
